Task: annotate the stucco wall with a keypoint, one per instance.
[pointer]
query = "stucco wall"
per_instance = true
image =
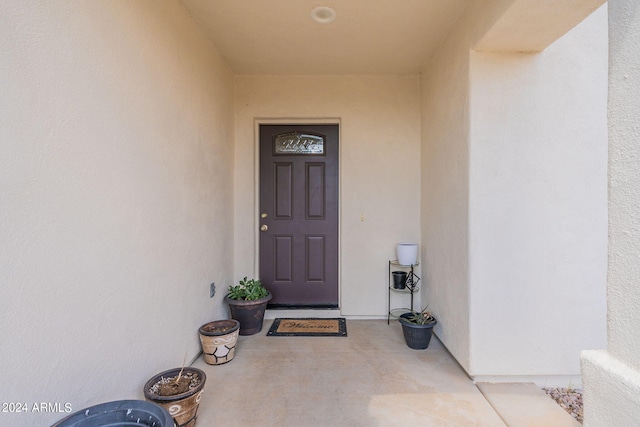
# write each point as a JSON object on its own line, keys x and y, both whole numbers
{"x": 513, "y": 215}
{"x": 445, "y": 177}
{"x": 379, "y": 170}
{"x": 612, "y": 377}
{"x": 116, "y": 180}
{"x": 538, "y": 211}
{"x": 624, "y": 179}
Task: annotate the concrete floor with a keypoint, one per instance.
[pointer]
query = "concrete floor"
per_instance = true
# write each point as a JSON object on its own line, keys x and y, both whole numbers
{"x": 370, "y": 378}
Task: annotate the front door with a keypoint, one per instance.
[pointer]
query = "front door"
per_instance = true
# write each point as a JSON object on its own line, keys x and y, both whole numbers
{"x": 299, "y": 214}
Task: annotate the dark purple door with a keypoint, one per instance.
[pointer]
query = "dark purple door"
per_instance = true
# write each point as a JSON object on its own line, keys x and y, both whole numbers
{"x": 299, "y": 214}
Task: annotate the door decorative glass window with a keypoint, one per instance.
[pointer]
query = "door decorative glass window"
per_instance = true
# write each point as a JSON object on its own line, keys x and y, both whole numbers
{"x": 298, "y": 143}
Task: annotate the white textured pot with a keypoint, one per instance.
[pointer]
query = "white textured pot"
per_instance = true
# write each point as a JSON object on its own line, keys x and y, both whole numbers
{"x": 407, "y": 253}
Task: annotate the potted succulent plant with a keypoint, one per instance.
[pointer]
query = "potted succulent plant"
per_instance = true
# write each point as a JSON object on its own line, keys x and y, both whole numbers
{"x": 179, "y": 391}
{"x": 417, "y": 328}
{"x": 247, "y": 302}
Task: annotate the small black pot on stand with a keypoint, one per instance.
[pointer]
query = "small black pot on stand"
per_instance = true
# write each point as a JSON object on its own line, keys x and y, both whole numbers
{"x": 399, "y": 279}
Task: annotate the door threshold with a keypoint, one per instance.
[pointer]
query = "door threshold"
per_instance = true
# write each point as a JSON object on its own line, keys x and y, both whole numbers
{"x": 302, "y": 307}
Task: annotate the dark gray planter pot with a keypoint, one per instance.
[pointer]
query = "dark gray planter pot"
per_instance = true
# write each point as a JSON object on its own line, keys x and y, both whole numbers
{"x": 250, "y": 314}
{"x": 417, "y": 337}
{"x": 119, "y": 413}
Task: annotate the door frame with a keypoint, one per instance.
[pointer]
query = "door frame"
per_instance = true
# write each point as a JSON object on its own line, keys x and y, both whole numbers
{"x": 256, "y": 194}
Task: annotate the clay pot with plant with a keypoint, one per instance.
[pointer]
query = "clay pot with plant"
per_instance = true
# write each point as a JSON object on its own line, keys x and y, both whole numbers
{"x": 179, "y": 391}
{"x": 248, "y": 302}
{"x": 218, "y": 340}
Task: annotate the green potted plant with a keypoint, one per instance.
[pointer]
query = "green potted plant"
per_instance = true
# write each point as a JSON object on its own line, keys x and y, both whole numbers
{"x": 417, "y": 328}
{"x": 247, "y": 302}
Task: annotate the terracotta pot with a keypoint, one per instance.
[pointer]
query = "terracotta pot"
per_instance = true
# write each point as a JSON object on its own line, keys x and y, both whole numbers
{"x": 182, "y": 407}
{"x": 250, "y": 314}
{"x": 218, "y": 339}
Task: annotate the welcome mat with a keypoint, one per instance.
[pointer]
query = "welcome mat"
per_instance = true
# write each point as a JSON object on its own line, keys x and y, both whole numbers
{"x": 308, "y": 327}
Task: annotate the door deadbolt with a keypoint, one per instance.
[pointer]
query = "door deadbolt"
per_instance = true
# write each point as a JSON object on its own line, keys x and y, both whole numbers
{"x": 264, "y": 227}
{"x": 263, "y": 215}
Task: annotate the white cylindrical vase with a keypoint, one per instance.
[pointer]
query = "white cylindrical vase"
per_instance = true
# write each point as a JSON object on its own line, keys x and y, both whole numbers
{"x": 407, "y": 253}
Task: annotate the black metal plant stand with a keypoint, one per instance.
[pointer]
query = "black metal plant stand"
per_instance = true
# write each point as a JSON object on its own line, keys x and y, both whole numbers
{"x": 411, "y": 287}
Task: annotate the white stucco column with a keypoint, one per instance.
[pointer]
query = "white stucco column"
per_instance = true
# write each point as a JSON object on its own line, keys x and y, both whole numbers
{"x": 611, "y": 377}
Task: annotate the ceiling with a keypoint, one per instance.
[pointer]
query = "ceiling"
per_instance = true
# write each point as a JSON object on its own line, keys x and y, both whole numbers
{"x": 278, "y": 37}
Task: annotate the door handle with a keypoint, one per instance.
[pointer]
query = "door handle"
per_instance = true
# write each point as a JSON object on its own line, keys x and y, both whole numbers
{"x": 264, "y": 227}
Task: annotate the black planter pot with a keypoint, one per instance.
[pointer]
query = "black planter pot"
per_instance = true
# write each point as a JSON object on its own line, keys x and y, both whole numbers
{"x": 119, "y": 413}
{"x": 399, "y": 279}
{"x": 250, "y": 314}
{"x": 417, "y": 337}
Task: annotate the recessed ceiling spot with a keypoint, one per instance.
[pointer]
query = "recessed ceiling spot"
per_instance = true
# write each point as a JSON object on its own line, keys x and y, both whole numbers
{"x": 323, "y": 14}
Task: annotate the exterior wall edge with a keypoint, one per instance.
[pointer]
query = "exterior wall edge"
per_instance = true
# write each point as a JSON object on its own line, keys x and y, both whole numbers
{"x": 609, "y": 383}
